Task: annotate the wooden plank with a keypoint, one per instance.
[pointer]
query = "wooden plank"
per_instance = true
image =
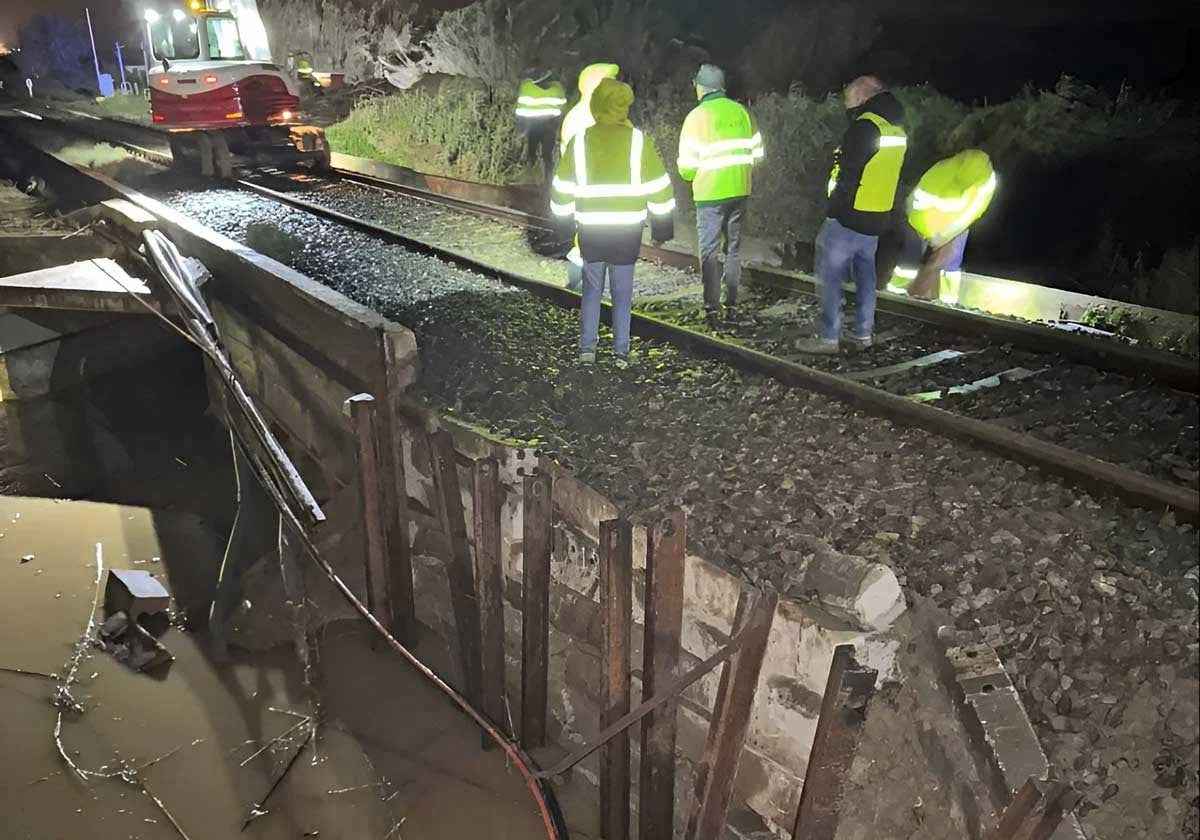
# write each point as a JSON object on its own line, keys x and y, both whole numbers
{"x": 537, "y": 543}
{"x": 731, "y": 718}
{"x": 396, "y": 491}
{"x": 489, "y": 581}
{"x": 660, "y": 663}
{"x": 363, "y": 422}
{"x": 848, "y": 690}
{"x": 460, "y": 569}
{"x": 616, "y": 596}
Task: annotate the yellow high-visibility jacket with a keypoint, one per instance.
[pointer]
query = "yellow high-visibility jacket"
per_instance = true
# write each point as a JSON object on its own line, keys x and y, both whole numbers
{"x": 610, "y": 182}
{"x": 718, "y": 147}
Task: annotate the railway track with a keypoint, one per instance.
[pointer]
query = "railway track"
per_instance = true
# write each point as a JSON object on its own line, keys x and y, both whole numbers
{"x": 1112, "y": 417}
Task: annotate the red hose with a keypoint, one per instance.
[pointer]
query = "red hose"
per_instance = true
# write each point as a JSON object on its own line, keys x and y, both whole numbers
{"x": 550, "y": 816}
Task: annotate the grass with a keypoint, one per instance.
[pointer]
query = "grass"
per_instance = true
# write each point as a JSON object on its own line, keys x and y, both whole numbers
{"x": 129, "y": 108}
{"x": 468, "y": 134}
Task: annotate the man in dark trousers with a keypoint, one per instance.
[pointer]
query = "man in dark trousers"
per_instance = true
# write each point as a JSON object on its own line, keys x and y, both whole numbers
{"x": 862, "y": 193}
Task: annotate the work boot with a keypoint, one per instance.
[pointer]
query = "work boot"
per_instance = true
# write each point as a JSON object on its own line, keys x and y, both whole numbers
{"x": 733, "y": 314}
{"x": 858, "y": 342}
{"x": 817, "y": 346}
{"x": 713, "y": 318}
{"x": 587, "y": 358}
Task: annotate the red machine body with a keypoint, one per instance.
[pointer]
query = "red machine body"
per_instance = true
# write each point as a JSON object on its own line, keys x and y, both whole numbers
{"x": 222, "y": 96}
{"x": 214, "y": 86}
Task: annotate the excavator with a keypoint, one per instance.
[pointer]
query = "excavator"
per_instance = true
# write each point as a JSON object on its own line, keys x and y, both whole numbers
{"x": 215, "y": 90}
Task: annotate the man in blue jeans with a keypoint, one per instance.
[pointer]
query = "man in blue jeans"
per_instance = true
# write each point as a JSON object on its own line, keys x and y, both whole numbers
{"x": 862, "y": 193}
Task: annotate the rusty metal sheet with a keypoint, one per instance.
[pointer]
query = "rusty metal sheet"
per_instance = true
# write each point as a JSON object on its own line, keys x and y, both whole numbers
{"x": 731, "y": 718}
{"x": 848, "y": 690}
{"x": 489, "y": 582}
{"x": 363, "y": 422}
{"x": 537, "y": 540}
{"x": 664, "y": 626}
{"x": 616, "y": 595}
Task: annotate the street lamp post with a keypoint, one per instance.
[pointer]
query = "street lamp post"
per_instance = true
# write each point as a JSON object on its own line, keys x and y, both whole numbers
{"x": 92, "y": 38}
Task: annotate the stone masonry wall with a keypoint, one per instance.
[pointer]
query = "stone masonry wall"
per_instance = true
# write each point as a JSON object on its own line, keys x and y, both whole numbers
{"x": 799, "y": 653}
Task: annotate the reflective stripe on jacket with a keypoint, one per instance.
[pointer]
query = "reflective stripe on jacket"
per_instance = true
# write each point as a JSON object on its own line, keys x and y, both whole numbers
{"x": 951, "y": 196}
{"x": 718, "y": 147}
{"x": 537, "y": 102}
{"x": 610, "y": 180}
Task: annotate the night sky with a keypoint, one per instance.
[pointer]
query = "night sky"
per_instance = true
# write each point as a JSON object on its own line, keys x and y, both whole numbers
{"x": 111, "y": 19}
{"x": 967, "y": 49}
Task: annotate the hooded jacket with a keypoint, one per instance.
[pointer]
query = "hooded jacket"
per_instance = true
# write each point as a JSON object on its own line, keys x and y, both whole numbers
{"x": 860, "y": 144}
{"x": 580, "y": 115}
{"x": 610, "y": 181}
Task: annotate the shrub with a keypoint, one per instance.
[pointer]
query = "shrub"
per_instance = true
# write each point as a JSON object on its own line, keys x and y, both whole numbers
{"x": 467, "y": 134}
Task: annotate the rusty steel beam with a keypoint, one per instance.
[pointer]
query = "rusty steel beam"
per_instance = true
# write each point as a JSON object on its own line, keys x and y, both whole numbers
{"x": 537, "y": 542}
{"x": 616, "y": 597}
{"x": 731, "y": 718}
{"x": 489, "y": 582}
{"x": 1037, "y": 811}
{"x": 666, "y": 695}
{"x": 848, "y": 690}
{"x": 396, "y": 495}
{"x": 660, "y": 662}
{"x": 460, "y": 569}
{"x": 363, "y": 422}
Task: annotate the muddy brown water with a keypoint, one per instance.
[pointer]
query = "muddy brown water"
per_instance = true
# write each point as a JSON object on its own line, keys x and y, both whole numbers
{"x": 389, "y": 756}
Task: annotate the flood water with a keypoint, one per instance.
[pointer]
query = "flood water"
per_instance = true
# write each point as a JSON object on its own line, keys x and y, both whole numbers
{"x": 199, "y": 748}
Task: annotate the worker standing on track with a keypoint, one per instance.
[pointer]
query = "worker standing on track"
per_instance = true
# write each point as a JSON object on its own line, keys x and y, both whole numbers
{"x": 948, "y": 199}
{"x": 718, "y": 147}
{"x": 579, "y": 119}
{"x": 610, "y": 180}
{"x": 862, "y": 193}
{"x": 540, "y": 103}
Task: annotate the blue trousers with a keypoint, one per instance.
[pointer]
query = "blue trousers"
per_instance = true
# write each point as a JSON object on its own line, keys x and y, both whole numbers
{"x": 620, "y": 278}
{"x": 843, "y": 254}
{"x": 719, "y": 229}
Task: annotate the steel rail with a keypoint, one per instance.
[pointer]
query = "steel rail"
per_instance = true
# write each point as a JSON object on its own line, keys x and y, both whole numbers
{"x": 1110, "y": 354}
{"x": 1136, "y": 487}
{"x": 1170, "y": 369}
{"x": 1093, "y": 473}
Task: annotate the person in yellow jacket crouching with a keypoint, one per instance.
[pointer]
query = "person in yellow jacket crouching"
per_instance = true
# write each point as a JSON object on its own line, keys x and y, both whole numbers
{"x": 610, "y": 182}
{"x": 948, "y": 199}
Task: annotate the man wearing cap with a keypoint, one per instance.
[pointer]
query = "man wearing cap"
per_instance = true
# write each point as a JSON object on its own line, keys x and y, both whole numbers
{"x": 718, "y": 147}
